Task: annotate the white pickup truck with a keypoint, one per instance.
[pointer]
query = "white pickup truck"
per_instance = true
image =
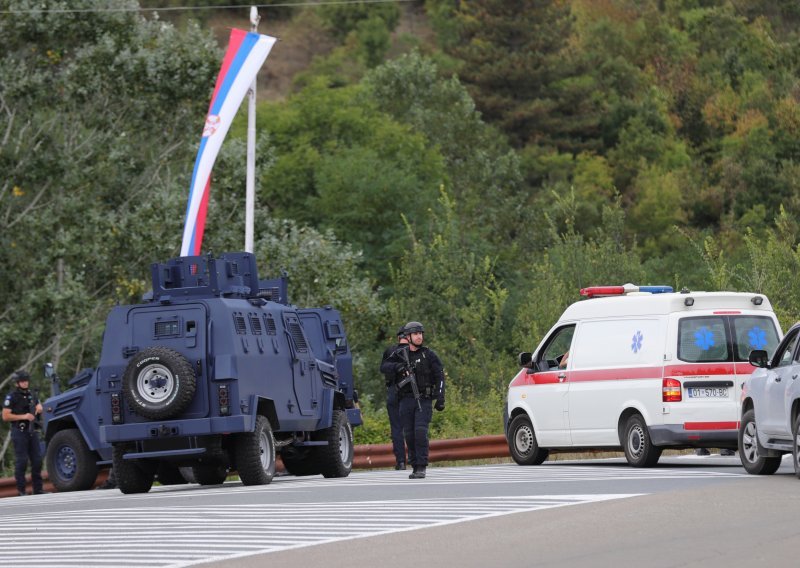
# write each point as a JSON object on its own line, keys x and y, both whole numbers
{"x": 770, "y": 422}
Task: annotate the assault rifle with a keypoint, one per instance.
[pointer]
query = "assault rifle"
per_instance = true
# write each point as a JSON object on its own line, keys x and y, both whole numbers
{"x": 410, "y": 376}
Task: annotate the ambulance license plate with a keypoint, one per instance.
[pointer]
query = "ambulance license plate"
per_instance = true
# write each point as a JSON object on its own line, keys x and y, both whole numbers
{"x": 708, "y": 392}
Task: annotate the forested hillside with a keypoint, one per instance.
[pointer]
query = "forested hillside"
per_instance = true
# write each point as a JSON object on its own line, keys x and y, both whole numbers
{"x": 472, "y": 176}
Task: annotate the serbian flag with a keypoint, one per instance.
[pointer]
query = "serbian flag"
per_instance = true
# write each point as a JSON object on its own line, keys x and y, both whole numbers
{"x": 245, "y": 56}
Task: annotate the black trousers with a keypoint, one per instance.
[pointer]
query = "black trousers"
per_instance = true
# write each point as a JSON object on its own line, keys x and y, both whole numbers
{"x": 393, "y": 409}
{"x": 27, "y": 448}
{"x": 415, "y": 428}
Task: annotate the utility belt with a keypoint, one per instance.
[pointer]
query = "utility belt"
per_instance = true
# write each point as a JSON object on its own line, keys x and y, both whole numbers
{"x": 22, "y": 425}
{"x": 424, "y": 392}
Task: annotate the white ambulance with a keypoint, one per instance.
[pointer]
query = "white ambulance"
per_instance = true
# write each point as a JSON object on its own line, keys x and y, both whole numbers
{"x": 638, "y": 368}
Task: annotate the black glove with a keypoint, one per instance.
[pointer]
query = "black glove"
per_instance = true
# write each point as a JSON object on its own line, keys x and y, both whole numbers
{"x": 439, "y": 405}
{"x": 400, "y": 369}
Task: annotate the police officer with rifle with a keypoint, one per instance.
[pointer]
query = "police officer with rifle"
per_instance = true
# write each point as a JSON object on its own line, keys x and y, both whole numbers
{"x": 420, "y": 382}
{"x": 21, "y": 407}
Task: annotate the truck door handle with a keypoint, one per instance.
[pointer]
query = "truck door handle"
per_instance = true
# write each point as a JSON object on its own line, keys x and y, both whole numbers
{"x": 562, "y": 377}
{"x": 777, "y": 379}
{"x": 794, "y": 377}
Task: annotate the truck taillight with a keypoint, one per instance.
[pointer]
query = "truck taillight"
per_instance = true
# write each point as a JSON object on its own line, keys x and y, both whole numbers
{"x": 116, "y": 408}
{"x": 224, "y": 402}
{"x": 671, "y": 390}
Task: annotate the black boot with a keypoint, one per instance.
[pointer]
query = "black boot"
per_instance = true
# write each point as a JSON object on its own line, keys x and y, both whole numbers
{"x": 400, "y": 465}
{"x": 419, "y": 472}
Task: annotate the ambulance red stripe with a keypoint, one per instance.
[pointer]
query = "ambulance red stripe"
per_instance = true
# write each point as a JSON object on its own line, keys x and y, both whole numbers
{"x": 710, "y": 425}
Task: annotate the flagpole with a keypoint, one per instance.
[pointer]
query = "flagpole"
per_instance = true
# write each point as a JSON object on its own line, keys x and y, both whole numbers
{"x": 250, "y": 198}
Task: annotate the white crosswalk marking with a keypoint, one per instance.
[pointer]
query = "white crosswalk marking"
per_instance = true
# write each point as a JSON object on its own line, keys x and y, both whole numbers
{"x": 177, "y": 536}
{"x": 173, "y": 527}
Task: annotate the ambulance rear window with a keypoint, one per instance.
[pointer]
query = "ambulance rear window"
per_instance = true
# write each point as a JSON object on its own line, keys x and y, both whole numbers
{"x": 753, "y": 332}
{"x": 703, "y": 340}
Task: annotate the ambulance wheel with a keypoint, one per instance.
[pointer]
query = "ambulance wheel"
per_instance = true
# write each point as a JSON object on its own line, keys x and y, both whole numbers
{"x": 522, "y": 442}
{"x": 255, "y": 454}
{"x": 336, "y": 459}
{"x": 639, "y": 448}
{"x": 71, "y": 465}
{"x": 159, "y": 383}
{"x": 210, "y": 473}
{"x": 133, "y": 476}
{"x": 750, "y": 451}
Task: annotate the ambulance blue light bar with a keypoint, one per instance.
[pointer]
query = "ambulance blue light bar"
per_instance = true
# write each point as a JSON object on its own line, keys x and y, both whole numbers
{"x": 601, "y": 291}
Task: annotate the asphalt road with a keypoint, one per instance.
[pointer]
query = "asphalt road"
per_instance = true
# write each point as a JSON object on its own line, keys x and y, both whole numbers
{"x": 689, "y": 511}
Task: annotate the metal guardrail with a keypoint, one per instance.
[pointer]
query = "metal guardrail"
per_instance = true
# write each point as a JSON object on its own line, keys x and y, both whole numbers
{"x": 367, "y": 456}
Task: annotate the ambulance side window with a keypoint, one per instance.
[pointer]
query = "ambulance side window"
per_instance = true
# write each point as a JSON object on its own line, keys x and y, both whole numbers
{"x": 556, "y": 348}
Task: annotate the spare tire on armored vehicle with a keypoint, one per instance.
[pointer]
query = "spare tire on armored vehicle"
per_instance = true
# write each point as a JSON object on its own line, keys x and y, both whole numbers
{"x": 159, "y": 383}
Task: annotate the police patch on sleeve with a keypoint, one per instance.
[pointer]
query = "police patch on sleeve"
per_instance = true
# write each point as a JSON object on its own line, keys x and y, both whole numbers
{"x": 7, "y": 401}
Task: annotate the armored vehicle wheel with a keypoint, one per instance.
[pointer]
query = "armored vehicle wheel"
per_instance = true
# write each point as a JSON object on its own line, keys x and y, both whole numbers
{"x": 210, "y": 473}
{"x": 522, "y": 442}
{"x": 159, "y": 383}
{"x": 133, "y": 476}
{"x": 169, "y": 474}
{"x": 336, "y": 459}
{"x": 299, "y": 462}
{"x": 255, "y": 454}
{"x": 71, "y": 465}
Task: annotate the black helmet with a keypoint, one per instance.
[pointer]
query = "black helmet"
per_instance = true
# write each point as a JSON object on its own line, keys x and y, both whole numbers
{"x": 21, "y": 376}
{"x": 412, "y": 327}
{"x": 400, "y": 332}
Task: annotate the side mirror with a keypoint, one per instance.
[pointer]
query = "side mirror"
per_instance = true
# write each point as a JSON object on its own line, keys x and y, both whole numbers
{"x": 759, "y": 358}
{"x": 525, "y": 359}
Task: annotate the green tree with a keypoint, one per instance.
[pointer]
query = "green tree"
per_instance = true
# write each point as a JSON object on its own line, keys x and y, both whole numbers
{"x": 349, "y": 168}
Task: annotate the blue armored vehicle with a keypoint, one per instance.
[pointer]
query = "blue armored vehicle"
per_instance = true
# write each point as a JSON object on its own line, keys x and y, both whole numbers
{"x": 215, "y": 371}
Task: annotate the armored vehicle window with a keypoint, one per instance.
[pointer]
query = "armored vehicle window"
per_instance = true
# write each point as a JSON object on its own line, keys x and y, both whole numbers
{"x": 269, "y": 323}
{"x": 167, "y": 328}
{"x": 239, "y": 324}
{"x": 255, "y": 324}
{"x": 297, "y": 335}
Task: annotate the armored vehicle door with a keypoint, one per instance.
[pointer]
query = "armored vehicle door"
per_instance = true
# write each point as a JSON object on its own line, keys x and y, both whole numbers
{"x": 304, "y": 369}
{"x": 181, "y": 328}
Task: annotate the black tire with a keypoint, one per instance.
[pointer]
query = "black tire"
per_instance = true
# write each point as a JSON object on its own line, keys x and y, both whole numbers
{"x": 336, "y": 459}
{"x": 796, "y": 446}
{"x": 169, "y": 474}
{"x": 210, "y": 473}
{"x": 636, "y": 442}
{"x": 255, "y": 454}
{"x": 750, "y": 451}
{"x": 300, "y": 462}
{"x": 71, "y": 465}
{"x": 133, "y": 476}
{"x": 159, "y": 383}
{"x": 522, "y": 442}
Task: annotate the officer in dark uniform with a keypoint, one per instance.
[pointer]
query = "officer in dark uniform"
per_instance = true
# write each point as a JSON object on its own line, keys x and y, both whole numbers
{"x": 20, "y": 407}
{"x": 389, "y": 370}
{"x": 416, "y": 417}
